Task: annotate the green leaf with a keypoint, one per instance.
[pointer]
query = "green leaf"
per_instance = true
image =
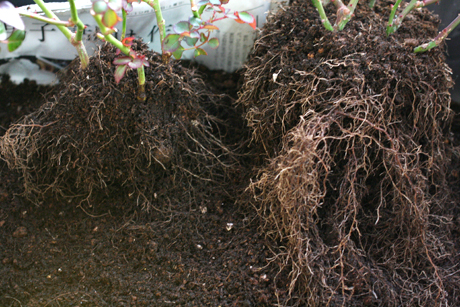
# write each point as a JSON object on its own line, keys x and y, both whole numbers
{"x": 195, "y": 22}
{"x": 190, "y": 41}
{"x": 15, "y": 40}
{"x": 110, "y": 19}
{"x": 3, "y": 34}
{"x": 171, "y": 42}
{"x": 120, "y": 72}
{"x": 182, "y": 26}
{"x": 201, "y": 9}
{"x": 203, "y": 38}
{"x": 178, "y": 53}
{"x": 213, "y": 43}
{"x": 246, "y": 17}
{"x": 199, "y": 51}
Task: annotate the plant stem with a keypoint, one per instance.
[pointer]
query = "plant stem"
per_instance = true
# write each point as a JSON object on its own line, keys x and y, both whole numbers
{"x": 194, "y": 8}
{"x": 47, "y": 20}
{"x": 51, "y": 15}
{"x": 395, "y": 23}
{"x": 438, "y": 39}
{"x": 155, "y": 4}
{"x": 74, "y": 39}
{"x": 371, "y": 3}
{"x": 123, "y": 29}
{"x": 322, "y": 14}
{"x": 344, "y": 13}
{"x": 391, "y": 27}
{"x": 109, "y": 37}
{"x": 126, "y": 50}
{"x": 141, "y": 96}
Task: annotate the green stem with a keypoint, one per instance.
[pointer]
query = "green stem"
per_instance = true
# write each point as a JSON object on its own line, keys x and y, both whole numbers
{"x": 344, "y": 14}
{"x": 123, "y": 29}
{"x": 194, "y": 8}
{"x": 109, "y": 37}
{"x": 74, "y": 39}
{"x": 438, "y": 39}
{"x": 155, "y": 4}
{"x": 322, "y": 14}
{"x": 391, "y": 27}
{"x": 74, "y": 17}
{"x": 51, "y": 15}
{"x": 126, "y": 50}
{"x": 372, "y": 3}
{"x": 47, "y": 20}
{"x": 141, "y": 96}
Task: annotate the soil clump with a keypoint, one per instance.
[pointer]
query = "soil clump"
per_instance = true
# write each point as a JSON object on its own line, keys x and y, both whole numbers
{"x": 356, "y": 194}
{"x": 93, "y": 135}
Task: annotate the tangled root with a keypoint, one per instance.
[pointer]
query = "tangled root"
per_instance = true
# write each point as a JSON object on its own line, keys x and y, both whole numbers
{"x": 356, "y": 191}
{"x": 95, "y": 137}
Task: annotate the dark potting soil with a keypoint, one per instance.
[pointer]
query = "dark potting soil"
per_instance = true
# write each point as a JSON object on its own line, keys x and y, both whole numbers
{"x": 60, "y": 254}
{"x": 209, "y": 252}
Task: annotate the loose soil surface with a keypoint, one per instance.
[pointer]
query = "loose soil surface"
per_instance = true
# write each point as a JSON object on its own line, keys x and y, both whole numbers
{"x": 207, "y": 250}
{"x": 115, "y": 254}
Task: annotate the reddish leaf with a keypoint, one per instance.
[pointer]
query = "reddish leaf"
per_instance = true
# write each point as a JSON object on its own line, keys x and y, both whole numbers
{"x": 120, "y": 72}
{"x": 245, "y": 17}
{"x": 124, "y": 60}
{"x": 127, "y": 41}
{"x": 210, "y": 26}
{"x": 136, "y": 63}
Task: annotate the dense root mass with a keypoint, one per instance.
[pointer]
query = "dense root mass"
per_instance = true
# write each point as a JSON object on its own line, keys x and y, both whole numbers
{"x": 96, "y": 136}
{"x": 355, "y": 126}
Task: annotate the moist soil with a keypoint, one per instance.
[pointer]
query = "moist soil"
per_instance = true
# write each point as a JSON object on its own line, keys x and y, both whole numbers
{"x": 208, "y": 250}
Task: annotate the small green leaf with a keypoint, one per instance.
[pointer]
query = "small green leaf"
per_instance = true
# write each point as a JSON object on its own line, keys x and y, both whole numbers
{"x": 246, "y": 17}
{"x": 120, "y": 72}
{"x": 201, "y": 9}
{"x": 213, "y": 43}
{"x": 178, "y": 53}
{"x": 195, "y": 22}
{"x": 182, "y": 26}
{"x": 99, "y": 7}
{"x": 199, "y": 51}
{"x": 203, "y": 38}
{"x": 110, "y": 19}
{"x": 3, "y": 34}
{"x": 171, "y": 42}
{"x": 15, "y": 40}
{"x": 190, "y": 41}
